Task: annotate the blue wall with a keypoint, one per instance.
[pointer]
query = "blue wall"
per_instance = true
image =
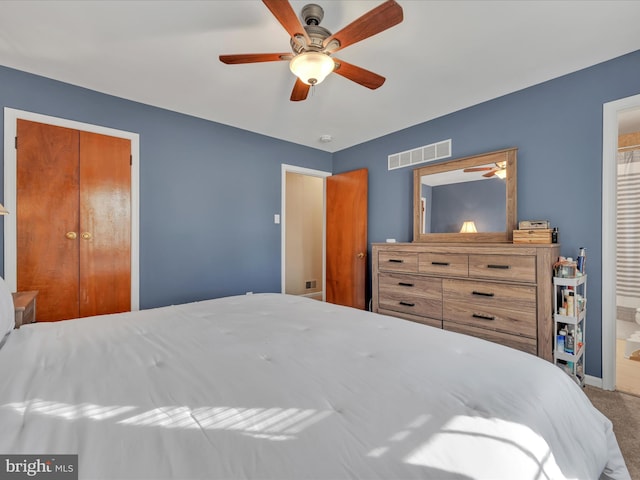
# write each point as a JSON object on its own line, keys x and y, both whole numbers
{"x": 208, "y": 192}
{"x": 484, "y": 202}
{"x": 557, "y": 127}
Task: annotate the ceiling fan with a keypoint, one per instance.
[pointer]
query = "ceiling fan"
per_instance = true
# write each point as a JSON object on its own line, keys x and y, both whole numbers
{"x": 499, "y": 170}
{"x": 313, "y": 45}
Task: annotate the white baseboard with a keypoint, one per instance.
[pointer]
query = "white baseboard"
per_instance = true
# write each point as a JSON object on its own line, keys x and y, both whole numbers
{"x": 593, "y": 381}
{"x": 311, "y": 295}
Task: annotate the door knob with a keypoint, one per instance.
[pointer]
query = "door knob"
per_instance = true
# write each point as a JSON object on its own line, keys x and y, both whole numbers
{"x": 361, "y": 255}
{"x": 86, "y": 236}
{"x": 71, "y": 235}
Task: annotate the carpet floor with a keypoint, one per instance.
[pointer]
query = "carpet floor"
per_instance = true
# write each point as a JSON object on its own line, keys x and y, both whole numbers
{"x": 624, "y": 412}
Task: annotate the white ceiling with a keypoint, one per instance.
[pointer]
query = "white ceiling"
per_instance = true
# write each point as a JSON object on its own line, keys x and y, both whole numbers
{"x": 444, "y": 56}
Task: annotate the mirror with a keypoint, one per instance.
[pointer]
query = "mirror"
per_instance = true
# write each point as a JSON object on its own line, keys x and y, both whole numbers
{"x": 452, "y": 199}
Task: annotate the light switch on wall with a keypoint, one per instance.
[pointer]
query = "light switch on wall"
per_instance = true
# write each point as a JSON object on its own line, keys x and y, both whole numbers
{"x": 276, "y": 218}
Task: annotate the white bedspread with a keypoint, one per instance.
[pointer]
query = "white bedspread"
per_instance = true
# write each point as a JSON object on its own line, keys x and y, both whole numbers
{"x": 279, "y": 387}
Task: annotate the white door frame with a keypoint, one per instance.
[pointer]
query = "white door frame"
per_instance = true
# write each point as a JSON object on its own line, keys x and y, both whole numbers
{"x": 11, "y": 117}
{"x": 283, "y": 255}
{"x": 609, "y": 175}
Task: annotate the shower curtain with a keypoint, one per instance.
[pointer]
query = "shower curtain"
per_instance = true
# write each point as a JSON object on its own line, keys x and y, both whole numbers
{"x": 628, "y": 234}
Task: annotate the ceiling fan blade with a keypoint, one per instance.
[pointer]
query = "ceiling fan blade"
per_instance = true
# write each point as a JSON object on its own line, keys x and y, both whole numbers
{"x": 478, "y": 169}
{"x": 284, "y": 13}
{"x": 358, "y": 74}
{"x": 371, "y": 23}
{"x": 300, "y": 91}
{"x": 254, "y": 58}
{"x": 490, "y": 174}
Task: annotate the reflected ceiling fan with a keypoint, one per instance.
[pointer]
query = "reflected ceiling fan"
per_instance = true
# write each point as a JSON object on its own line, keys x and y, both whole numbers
{"x": 313, "y": 45}
{"x": 499, "y": 170}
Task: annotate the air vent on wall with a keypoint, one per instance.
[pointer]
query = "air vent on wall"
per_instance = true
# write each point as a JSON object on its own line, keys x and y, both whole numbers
{"x": 427, "y": 153}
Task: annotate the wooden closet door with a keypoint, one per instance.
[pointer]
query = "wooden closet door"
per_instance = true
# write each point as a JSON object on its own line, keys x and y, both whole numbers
{"x": 47, "y": 210}
{"x": 105, "y": 224}
{"x": 73, "y": 220}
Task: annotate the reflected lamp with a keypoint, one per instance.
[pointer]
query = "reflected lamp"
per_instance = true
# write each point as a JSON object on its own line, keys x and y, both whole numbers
{"x": 468, "y": 227}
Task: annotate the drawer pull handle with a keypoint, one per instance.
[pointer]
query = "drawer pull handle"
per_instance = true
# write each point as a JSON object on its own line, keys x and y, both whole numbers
{"x": 404, "y": 284}
{"x": 484, "y": 294}
{"x": 444, "y": 264}
{"x": 408, "y": 304}
{"x": 484, "y": 317}
{"x": 502, "y": 267}
{"x": 396, "y": 260}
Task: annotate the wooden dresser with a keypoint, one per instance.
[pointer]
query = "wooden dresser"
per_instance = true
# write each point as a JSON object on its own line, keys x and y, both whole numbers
{"x": 501, "y": 292}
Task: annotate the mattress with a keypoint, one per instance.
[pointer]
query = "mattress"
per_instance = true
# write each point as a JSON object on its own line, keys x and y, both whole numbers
{"x": 273, "y": 386}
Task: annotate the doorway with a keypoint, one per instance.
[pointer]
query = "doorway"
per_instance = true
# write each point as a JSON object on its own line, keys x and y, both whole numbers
{"x": 627, "y": 258}
{"x": 343, "y": 235}
{"x": 303, "y": 231}
{"x": 620, "y": 285}
{"x": 11, "y": 117}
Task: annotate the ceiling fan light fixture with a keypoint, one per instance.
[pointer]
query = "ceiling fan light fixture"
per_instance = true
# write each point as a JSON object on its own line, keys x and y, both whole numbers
{"x": 501, "y": 174}
{"x": 312, "y": 67}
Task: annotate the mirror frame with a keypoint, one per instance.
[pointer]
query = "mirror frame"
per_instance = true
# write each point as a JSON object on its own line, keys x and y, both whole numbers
{"x": 510, "y": 157}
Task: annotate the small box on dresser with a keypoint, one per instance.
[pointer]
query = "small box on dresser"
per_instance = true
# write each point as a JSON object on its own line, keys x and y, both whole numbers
{"x": 501, "y": 292}
{"x": 540, "y": 235}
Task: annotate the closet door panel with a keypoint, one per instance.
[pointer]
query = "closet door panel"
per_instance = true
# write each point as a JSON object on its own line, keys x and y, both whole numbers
{"x": 105, "y": 224}
{"x": 47, "y": 217}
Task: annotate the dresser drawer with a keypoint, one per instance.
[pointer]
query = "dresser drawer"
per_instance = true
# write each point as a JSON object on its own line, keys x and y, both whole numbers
{"x": 411, "y": 294}
{"x": 398, "y": 262}
{"x": 494, "y": 306}
{"x": 452, "y": 264}
{"x": 519, "y": 343}
{"x": 432, "y": 322}
{"x": 519, "y": 268}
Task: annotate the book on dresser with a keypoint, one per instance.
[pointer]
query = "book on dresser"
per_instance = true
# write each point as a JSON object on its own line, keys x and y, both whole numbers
{"x": 500, "y": 292}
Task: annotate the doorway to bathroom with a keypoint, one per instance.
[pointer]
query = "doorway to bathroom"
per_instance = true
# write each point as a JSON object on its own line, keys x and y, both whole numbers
{"x": 627, "y": 254}
{"x": 620, "y": 237}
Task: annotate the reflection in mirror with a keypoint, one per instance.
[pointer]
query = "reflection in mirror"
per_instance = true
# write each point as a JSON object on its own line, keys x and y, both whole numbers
{"x": 475, "y": 194}
{"x": 472, "y": 199}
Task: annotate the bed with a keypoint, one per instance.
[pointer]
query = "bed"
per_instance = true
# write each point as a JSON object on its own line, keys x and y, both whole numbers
{"x": 273, "y": 386}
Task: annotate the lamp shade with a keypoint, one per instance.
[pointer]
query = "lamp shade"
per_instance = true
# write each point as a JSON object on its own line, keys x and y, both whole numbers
{"x": 468, "y": 227}
{"x": 3, "y": 211}
{"x": 312, "y": 67}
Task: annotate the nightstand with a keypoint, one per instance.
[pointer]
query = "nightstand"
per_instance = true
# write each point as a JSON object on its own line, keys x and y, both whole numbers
{"x": 25, "y": 307}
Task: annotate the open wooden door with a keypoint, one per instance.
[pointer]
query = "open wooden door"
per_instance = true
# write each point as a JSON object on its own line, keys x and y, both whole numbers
{"x": 346, "y": 238}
